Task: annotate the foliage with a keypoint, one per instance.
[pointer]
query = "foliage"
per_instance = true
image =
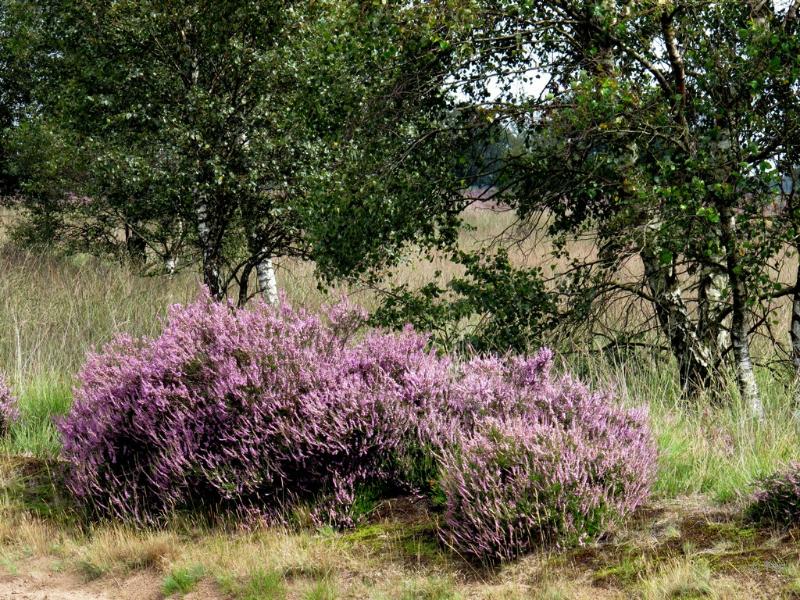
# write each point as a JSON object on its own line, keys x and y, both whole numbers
{"x": 222, "y": 134}
{"x": 493, "y": 307}
{"x": 182, "y": 581}
{"x": 538, "y": 460}
{"x": 661, "y": 132}
{"x": 245, "y": 409}
{"x": 9, "y": 410}
{"x": 777, "y": 499}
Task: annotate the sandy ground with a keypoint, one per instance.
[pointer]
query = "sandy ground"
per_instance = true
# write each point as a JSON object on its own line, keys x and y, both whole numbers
{"x": 37, "y": 580}
{"x": 44, "y": 584}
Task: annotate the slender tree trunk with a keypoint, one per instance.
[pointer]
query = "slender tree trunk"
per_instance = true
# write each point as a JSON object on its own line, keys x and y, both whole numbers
{"x": 212, "y": 272}
{"x": 695, "y": 360}
{"x": 244, "y": 284}
{"x": 170, "y": 265}
{"x": 740, "y": 338}
{"x": 267, "y": 283}
{"x": 711, "y": 307}
{"x": 136, "y": 246}
{"x": 795, "y": 327}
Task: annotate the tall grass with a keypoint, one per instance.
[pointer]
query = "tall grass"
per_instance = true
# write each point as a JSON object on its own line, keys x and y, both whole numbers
{"x": 708, "y": 445}
{"x": 54, "y": 309}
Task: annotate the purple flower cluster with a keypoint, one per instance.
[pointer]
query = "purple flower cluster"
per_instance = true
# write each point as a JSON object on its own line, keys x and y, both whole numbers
{"x": 259, "y": 409}
{"x": 9, "y": 410}
{"x": 253, "y": 408}
{"x": 777, "y": 498}
{"x": 539, "y": 460}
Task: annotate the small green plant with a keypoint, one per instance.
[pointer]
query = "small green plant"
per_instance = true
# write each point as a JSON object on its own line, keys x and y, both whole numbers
{"x": 8, "y": 565}
{"x": 34, "y": 431}
{"x": 792, "y": 574}
{"x": 322, "y": 590}
{"x": 493, "y": 307}
{"x": 263, "y": 585}
{"x": 182, "y": 581}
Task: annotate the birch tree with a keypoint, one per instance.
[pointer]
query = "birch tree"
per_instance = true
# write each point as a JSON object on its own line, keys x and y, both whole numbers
{"x": 657, "y": 129}
{"x": 227, "y": 134}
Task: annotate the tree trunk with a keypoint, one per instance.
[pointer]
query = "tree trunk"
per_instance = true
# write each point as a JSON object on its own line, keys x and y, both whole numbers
{"x": 212, "y": 271}
{"x": 795, "y": 328}
{"x": 695, "y": 360}
{"x": 170, "y": 265}
{"x": 136, "y": 247}
{"x": 711, "y": 308}
{"x": 740, "y": 338}
{"x": 267, "y": 283}
{"x": 244, "y": 284}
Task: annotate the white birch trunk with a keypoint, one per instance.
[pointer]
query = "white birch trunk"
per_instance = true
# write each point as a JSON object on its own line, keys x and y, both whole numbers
{"x": 740, "y": 338}
{"x": 170, "y": 265}
{"x": 267, "y": 283}
{"x": 211, "y": 270}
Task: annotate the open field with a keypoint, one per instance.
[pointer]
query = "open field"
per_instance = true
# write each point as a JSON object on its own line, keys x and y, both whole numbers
{"x": 691, "y": 542}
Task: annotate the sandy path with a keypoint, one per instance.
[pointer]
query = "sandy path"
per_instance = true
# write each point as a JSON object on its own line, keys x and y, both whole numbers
{"x": 47, "y": 585}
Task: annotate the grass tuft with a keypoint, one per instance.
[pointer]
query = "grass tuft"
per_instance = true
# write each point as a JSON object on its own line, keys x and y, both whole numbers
{"x": 679, "y": 578}
{"x": 182, "y": 581}
{"x": 263, "y": 584}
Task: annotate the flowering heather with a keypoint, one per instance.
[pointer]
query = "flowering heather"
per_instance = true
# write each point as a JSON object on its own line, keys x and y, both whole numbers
{"x": 249, "y": 408}
{"x": 777, "y": 499}
{"x": 253, "y": 410}
{"x": 9, "y": 412}
{"x": 539, "y": 460}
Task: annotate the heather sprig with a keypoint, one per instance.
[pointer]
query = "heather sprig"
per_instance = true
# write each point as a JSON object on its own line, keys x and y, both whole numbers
{"x": 9, "y": 409}
{"x": 777, "y": 497}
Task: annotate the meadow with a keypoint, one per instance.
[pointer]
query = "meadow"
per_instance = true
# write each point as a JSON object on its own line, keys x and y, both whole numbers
{"x": 691, "y": 541}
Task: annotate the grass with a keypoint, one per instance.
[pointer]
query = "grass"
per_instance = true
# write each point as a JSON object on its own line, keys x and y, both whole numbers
{"x": 42, "y": 400}
{"x": 182, "y": 581}
{"x": 679, "y": 548}
{"x": 679, "y": 578}
{"x": 321, "y": 590}
{"x": 689, "y": 544}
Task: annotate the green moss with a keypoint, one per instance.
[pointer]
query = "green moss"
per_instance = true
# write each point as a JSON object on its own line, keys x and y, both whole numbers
{"x": 733, "y": 531}
{"x": 626, "y": 571}
{"x": 370, "y": 533}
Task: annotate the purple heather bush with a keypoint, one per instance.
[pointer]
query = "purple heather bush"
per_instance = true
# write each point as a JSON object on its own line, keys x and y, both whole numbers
{"x": 777, "y": 497}
{"x": 249, "y": 408}
{"x": 537, "y": 459}
{"x": 257, "y": 410}
{"x": 9, "y": 410}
